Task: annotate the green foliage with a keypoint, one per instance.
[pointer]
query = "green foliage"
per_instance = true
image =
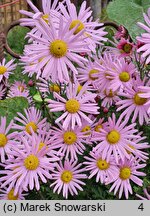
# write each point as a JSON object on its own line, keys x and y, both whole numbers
{"x": 128, "y": 13}
{"x": 9, "y": 107}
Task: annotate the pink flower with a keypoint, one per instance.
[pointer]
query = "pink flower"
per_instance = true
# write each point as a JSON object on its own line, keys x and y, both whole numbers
{"x": 144, "y": 38}
{"x": 115, "y": 138}
{"x": 75, "y": 107}
{"x": 5, "y": 195}
{"x": 6, "y": 69}
{"x": 32, "y": 120}
{"x": 68, "y": 178}
{"x": 28, "y": 166}
{"x": 145, "y": 93}
{"x": 121, "y": 33}
{"x": 104, "y": 170}
{"x": 128, "y": 170}
{"x": 6, "y": 139}
{"x": 57, "y": 49}
{"x": 133, "y": 103}
{"x": 125, "y": 47}
{"x": 69, "y": 142}
{"x": 83, "y": 21}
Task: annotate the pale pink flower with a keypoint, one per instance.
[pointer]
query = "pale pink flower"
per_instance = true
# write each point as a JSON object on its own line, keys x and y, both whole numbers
{"x": 7, "y": 139}
{"x": 128, "y": 171}
{"x": 115, "y": 138}
{"x": 75, "y": 107}
{"x": 6, "y": 68}
{"x": 104, "y": 170}
{"x": 31, "y": 120}
{"x": 125, "y": 47}
{"x": 9, "y": 195}
{"x": 68, "y": 178}
{"x": 145, "y": 93}
{"x": 133, "y": 103}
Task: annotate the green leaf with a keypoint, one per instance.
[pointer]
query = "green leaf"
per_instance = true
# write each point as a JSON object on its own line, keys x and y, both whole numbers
{"x": 128, "y": 13}
{"x": 37, "y": 97}
{"x": 9, "y": 107}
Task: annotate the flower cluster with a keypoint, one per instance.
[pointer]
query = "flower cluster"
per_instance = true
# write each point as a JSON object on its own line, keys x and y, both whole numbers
{"x": 88, "y": 107}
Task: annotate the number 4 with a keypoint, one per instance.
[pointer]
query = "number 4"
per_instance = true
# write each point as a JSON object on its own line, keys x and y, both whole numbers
{"x": 141, "y": 207}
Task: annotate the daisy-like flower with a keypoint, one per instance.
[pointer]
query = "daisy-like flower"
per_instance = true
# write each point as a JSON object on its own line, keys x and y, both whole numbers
{"x": 83, "y": 19}
{"x": 104, "y": 170}
{"x": 98, "y": 125}
{"x": 134, "y": 103}
{"x": 75, "y": 107}
{"x": 108, "y": 97}
{"x": 115, "y": 138}
{"x": 125, "y": 47}
{"x": 146, "y": 194}
{"x": 19, "y": 89}
{"x": 144, "y": 38}
{"x": 68, "y": 142}
{"x": 128, "y": 171}
{"x": 68, "y": 178}
{"x": 2, "y": 90}
{"x": 58, "y": 49}
{"x": 6, "y": 139}
{"x": 6, "y": 68}
{"x": 27, "y": 166}
{"x": 5, "y": 195}
{"x": 49, "y": 12}
{"x": 121, "y": 74}
{"x": 145, "y": 93}
{"x": 31, "y": 120}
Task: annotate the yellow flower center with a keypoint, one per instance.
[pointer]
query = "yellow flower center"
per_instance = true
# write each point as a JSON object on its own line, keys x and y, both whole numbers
{"x": 124, "y": 76}
{"x": 11, "y": 196}
{"x": 21, "y": 88}
{"x": 31, "y": 162}
{"x": 102, "y": 164}
{"x": 3, "y": 140}
{"x": 58, "y": 48}
{"x": 132, "y": 147}
{"x": 66, "y": 176}
{"x": 109, "y": 94}
{"x": 86, "y": 128}
{"x": 41, "y": 145}
{"x": 93, "y": 72}
{"x": 3, "y": 69}
{"x": 45, "y": 18}
{"x": 75, "y": 23}
{"x": 98, "y": 128}
{"x": 29, "y": 126}
{"x": 69, "y": 137}
{"x": 113, "y": 137}
{"x": 79, "y": 88}
{"x": 127, "y": 48}
{"x": 125, "y": 173}
{"x": 139, "y": 100}
{"x": 72, "y": 106}
{"x": 54, "y": 88}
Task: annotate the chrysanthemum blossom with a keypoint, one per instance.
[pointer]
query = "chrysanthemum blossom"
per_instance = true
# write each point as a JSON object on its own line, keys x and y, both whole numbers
{"x": 93, "y": 33}
{"x": 7, "y": 139}
{"x": 145, "y": 93}
{"x": 104, "y": 170}
{"x": 125, "y": 47}
{"x": 75, "y": 107}
{"x": 5, "y": 195}
{"x": 19, "y": 89}
{"x": 128, "y": 171}
{"x": 115, "y": 138}
{"x": 133, "y": 103}
{"x": 6, "y": 69}
{"x": 144, "y": 38}
{"x": 49, "y": 11}
{"x": 27, "y": 167}
{"x": 70, "y": 143}
{"x": 68, "y": 178}
{"x": 32, "y": 119}
{"x": 58, "y": 49}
